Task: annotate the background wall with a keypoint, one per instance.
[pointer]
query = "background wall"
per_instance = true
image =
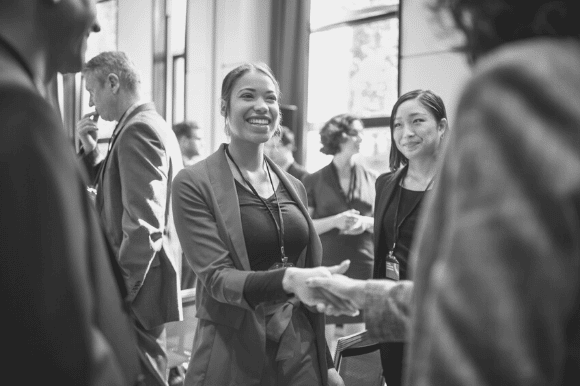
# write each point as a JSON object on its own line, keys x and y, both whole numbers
{"x": 225, "y": 33}
{"x": 427, "y": 60}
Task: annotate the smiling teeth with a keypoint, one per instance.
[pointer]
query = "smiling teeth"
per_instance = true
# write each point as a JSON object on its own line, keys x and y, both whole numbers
{"x": 258, "y": 121}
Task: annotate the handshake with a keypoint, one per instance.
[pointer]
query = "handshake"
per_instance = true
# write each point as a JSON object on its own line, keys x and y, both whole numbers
{"x": 326, "y": 288}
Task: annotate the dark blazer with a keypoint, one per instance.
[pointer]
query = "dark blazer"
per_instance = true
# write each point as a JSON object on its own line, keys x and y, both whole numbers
{"x": 134, "y": 202}
{"x": 230, "y": 341}
{"x": 62, "y": 309}
{"x": 385, "y": 187}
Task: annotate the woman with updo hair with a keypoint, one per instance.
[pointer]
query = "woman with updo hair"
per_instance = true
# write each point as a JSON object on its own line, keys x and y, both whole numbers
{"x": 341, "y": 200}
{"x": 244, "y": 227}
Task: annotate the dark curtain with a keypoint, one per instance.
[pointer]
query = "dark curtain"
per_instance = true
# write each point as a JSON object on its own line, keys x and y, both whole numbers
{"x": 289, "y": 60}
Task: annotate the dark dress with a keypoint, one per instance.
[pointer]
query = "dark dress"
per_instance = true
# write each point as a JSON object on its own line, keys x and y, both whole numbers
{"x": 326, "y": 197}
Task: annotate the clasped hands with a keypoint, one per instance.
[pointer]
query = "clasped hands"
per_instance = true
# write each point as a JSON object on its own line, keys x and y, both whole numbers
{"x": 326, "y": 289}
{"x": 350, "y": 222}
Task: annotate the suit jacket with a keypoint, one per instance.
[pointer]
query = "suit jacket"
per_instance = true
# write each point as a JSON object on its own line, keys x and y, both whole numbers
{"x": 134, "y": 202}
{"x": 61, "y": 304}
{"x": 497, "y": 286}
{"x": 230, "y": 341}
{"x": 385, "y": 188}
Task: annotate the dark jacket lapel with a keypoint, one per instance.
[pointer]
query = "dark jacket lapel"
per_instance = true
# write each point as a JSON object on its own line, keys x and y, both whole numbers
{"x": 385, "y": 188}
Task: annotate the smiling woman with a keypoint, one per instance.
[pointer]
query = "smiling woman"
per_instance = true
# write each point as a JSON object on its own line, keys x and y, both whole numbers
{"x": 418, "y": 124}
{"x": 245, "y": 231}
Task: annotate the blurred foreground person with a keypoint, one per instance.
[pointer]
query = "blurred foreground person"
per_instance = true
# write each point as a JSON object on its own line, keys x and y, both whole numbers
{"x": 61, "y": 291}
{"x": 133, "y": 184}
{"x": 246, "y": 232}
{"x": 497, "y": 265}
{"x": 280, "y": 148}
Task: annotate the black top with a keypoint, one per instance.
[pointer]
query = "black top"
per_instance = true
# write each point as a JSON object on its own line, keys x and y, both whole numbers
{"x": 408, "y": 214}
{"x": 262, "y": 243}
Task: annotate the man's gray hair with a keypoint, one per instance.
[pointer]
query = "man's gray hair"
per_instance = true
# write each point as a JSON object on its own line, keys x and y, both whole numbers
{"x": 114, "y": 62}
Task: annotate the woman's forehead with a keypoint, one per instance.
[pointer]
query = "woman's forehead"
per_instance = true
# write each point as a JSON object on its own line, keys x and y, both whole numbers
{"x": 411, "y": 108}
{"x": 255, "y": 80}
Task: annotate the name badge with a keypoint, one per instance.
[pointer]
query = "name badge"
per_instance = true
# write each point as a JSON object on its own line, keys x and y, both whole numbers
{"x": 392, "y": 270}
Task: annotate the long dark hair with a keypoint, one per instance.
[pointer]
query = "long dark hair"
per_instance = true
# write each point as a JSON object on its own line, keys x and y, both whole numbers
{"x": 431, "y": 102}
{"x": 491, "y": 23}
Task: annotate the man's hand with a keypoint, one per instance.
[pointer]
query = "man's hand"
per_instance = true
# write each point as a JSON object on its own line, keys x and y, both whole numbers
{"x": 334, "y": 379}
{"x": 87, "y": 131}
{"x": 342, "y": 287}
{"x": 294, "y": 281}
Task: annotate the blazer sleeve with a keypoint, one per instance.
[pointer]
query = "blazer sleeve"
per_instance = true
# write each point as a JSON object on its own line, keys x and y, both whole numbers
{"x": 143, "y": 169}
{"x": 387, "y": 310}
{"x": 201, "y": 239}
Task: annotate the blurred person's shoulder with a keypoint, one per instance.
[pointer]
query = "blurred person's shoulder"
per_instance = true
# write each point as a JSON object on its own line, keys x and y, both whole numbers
{"x": 537, "y": 59}
{"x": 25, "y": 114}
{"x": 312, "y": 178}
{"x": 385, "y": 178}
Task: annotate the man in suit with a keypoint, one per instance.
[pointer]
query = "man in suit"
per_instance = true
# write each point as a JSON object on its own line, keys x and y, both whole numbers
{"x": 133, "y": 184}
{"x": 62, "y": 304}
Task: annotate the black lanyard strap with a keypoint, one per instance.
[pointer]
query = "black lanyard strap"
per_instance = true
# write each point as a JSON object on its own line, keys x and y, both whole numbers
{"x": 280, "y": 227}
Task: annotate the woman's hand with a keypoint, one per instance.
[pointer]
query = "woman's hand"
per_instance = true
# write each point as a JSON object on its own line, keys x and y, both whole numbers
{"x": 334, "y": 379}
{"x": 361, "y": 224}
{"x": 346, "y": 220}
{"x": 295, "y": 279}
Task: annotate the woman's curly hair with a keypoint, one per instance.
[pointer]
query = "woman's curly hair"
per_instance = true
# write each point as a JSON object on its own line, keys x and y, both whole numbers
{"x": 491, "y": 23}
{"x": 335, "y": 131}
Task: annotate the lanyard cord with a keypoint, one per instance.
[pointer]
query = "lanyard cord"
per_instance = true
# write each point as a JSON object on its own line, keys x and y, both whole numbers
{"x": 279, "y": 228}
{"x": 16, "y": 55}
{"x": 396, "y": 223}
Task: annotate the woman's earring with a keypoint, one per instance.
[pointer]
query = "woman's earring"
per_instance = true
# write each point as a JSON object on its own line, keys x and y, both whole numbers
{"x": 278, "y": 131}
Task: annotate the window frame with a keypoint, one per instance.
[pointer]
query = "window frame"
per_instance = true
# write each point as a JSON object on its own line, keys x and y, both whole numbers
{"x": 365, "y": 16}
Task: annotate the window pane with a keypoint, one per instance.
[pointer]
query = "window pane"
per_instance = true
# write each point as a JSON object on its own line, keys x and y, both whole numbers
{"x": 325, "y": 12}
{"x": 178, "y": 14}
{"x": 353, "y": 69}
{"x": 106, "y": 39}
{"x": 178, "y": 89}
